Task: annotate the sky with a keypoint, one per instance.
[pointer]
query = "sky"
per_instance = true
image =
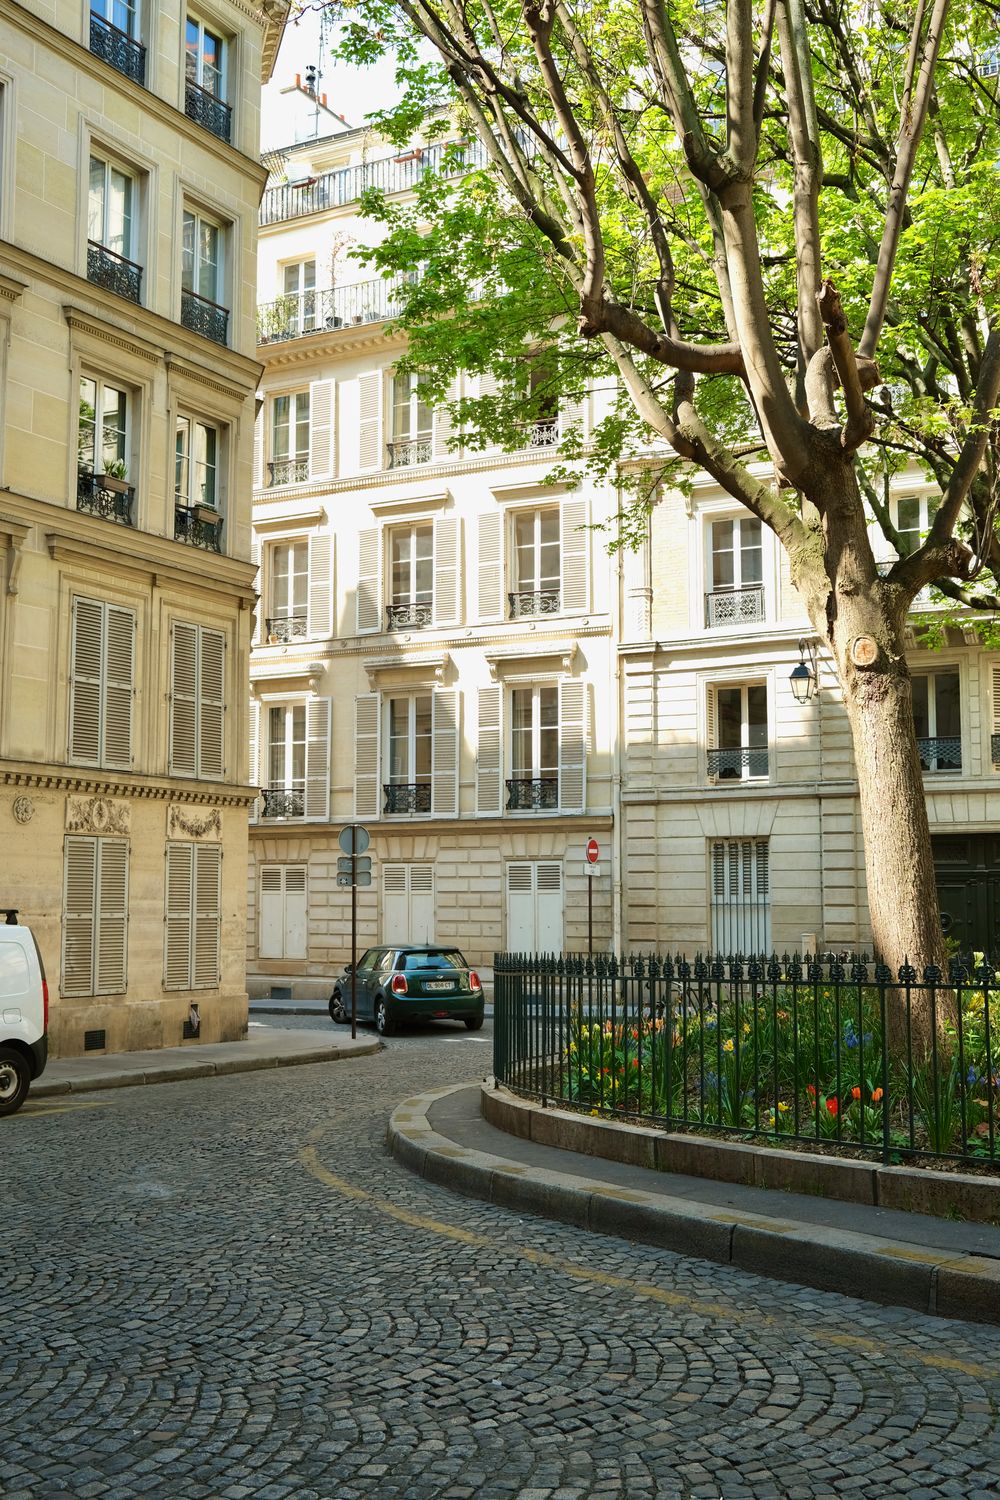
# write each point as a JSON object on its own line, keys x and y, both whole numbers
{"x": 352, "y": 92}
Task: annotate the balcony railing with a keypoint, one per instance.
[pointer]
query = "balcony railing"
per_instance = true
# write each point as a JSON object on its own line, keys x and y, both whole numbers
{"x": 542, "y": 434}
{"x": 408, "y": 616}
{"x": 204, "y": 316}
{"x": 117, "y": 48}
{"x": 285, "y": 628}
{"x": 104, "y": 496}
{"x": 410, "y": 451}
{"x": 299, "y": 314}
{"x": 532, "y": 794}
{"x": 941, "y": 754}
{"x": 214, "y": 114}
{"x": 197, "y": 527}
{"x": 287, "y": 471}
{"x": 388, "y": 174}
{"x": 402, "y": 797}
{"x": 113, "y": 271}
{"x": 739, "y": 764}
{"x": 734, "y": 606}
{"x": 284, "y": 802}
{"x": 524, "y": 602}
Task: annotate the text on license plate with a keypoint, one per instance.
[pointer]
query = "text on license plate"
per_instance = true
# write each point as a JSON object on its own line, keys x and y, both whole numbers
{"x": 440, "y": 984}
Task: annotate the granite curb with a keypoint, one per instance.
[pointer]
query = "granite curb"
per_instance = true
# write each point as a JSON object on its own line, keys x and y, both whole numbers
{"x": 926, "y": 1278}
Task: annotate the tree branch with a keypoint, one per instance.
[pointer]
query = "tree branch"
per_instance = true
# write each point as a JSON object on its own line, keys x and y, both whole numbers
{"x": 860, "y": 424}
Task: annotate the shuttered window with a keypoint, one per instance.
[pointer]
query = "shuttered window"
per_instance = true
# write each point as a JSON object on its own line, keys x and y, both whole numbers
{"x": 535, "y": 907}
{"x": 741, "y": 907}
{"x": 197, "y": 701}
{"x": 102, "y": 654}
{"x": 283, "y": 924}
{"x": 407, "y": 903}
{"x": 193, "y": 917}
{"x": 95, "y": 916}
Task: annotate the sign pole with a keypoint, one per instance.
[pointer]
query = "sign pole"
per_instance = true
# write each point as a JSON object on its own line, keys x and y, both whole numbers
{"x": 590, "y": 917}
{"x": 354, "y": 939}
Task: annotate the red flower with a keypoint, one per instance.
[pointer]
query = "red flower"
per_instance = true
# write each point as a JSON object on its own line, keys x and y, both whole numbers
{"x": 811, "y": 1090}
{"x": 876, "y": 1096}
{"x": 855, "y": 1093}
{"x": 832, "y": 1105}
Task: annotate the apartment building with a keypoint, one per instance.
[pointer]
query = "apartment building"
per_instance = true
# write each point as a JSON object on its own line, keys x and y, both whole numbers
{"x": 129, "y": 186}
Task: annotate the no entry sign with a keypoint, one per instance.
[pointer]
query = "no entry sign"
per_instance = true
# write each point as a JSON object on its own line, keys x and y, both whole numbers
{"x": 592, "y": 852}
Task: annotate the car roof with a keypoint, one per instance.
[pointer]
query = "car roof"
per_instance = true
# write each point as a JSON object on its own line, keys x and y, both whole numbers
{"x": 423, "y": 947}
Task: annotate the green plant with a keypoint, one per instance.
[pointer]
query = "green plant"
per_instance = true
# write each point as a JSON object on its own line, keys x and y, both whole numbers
{"x": 936, "y": 1096}
{"x": 115, "y": 468}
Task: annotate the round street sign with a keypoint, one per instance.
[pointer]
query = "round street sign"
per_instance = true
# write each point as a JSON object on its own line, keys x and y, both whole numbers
{"x": 592, "y": 852}
{"x": 354, "y": 839}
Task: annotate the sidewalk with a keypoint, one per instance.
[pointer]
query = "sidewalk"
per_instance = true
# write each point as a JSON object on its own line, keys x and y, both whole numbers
{"x": 268, "y": 1048}
{"x": 935, "y": 1265}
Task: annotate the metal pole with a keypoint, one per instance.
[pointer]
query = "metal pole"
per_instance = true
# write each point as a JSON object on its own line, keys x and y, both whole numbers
{"x": 354, "y": 935}
{"x": 590, "y": 913}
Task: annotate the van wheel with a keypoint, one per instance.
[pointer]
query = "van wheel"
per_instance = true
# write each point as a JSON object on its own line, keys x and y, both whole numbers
{"x": 383, "y": 1021}
{"x": 15, "y": 1078}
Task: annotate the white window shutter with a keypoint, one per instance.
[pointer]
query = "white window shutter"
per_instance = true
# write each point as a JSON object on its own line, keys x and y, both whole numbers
{"x": 573, "y": 416}
{"x": 79, "y": 891}
{"x": 444, "y": 754}
{"x": 184, "y": 700}
{"x": 370, "y": 434}
{"x": 207, "y": 916}
{"x": 369, "y": 596}
{"x": 444, "y": 426}
{"x": 320, "y": 622}
{"x": 575, "y": 547}
{"x": 489, "y": 781}
{"x": 366, "y": 787}
{"x": 111, "y": 944}
{"x": 572, "y": 745}
{"x": 87, "y": 655}
{"x": 488, "y": 385}
{"x": 211, "y": 704}
{"x": 996, "y": 709}
{"x": 253, "y": 726}
{"x": 295, "y": 933}
{"x": 446, "y": 555}
{"x": 258, "y": 450}
{"x": 256, "y": 629}
{"x": 322, "y": 438}
{"x": 711, "y": 720}
{"x": 177, "y": 919}
{"x": 490, "y": 565}
{"x": 317, "y": 798}
{"x": 119, "y": 671}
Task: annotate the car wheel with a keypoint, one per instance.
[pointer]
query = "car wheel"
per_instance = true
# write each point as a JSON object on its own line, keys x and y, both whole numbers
{"x": 337, "y": 1011}
{"x": 383, "y": 1021}
{"x": 15, "y": 1079}
{"x": 473, "y": 1023}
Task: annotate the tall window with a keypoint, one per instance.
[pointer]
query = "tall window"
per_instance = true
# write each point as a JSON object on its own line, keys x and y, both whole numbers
{"x": 286, "y": 739}
{"x": 191, "y": 949}
{"x": 102, "y": 440}
{"x": 123, "y": 14}
{"x": 937, "y": 717}
{"x": 409, "y": 729}
{"x": 110, "y": 206}
{"x": 201, "y": 267}
{"x": 412, "y": 424}
{"x": 196, "y": 463}
{"x": 102, "y": 655}
{"x": 204, "y": 57}
{"x": 412, "y": 576}
{"x": 95, "y": 916}
{"x": 197, "y": 701}
{"x": 536, "y": 563}
{"x": 299, "y": 287}
{"x": 741, "y": 904}
{"x": 736, "y": 571}
{"x": 534, "y": 747}
{"x": 288, "y": 619}
{"x": 289, "y": 438}
{"x": 740, "y": 751}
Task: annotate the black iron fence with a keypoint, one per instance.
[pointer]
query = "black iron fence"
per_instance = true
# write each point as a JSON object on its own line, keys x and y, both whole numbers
{"x": 833, "y": 1052}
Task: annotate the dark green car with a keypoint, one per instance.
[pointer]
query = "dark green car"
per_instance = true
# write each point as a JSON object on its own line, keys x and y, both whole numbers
{"x": 407, "y": 982}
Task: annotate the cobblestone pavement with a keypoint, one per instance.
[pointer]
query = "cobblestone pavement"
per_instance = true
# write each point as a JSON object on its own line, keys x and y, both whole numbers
{"x": 225, "y": 1289}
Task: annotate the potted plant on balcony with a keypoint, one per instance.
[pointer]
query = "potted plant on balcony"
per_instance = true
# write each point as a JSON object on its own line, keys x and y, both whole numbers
{"x": 205, "y": 512}
{"x": 115, "y": 476}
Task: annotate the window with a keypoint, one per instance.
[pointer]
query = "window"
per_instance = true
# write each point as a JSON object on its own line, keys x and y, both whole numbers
{"x": 535, "y": 907}
{"x": 114, "y": 36}
{"x": 191, "y": 945}
{"x": 411, "y": 561}
{"x": 736, "y": 561}
{"x": 286, "y": 762}
{"x": 543, "y": 430}
{"x": 102, "y": 655}
{"x": 202, "y": 277}
{"x": 289, "y": 617}
{"x": 197, "y": 701}
{"x": 299, "y": 301}
{"x": 289, "y": 439}
{"x": 103, "y": 434}
{"x": 737, "y": 733}
{"x": 412, "y": 425}
{"x": 196, "y": 463}
{"x": 408, "y": 903}
{"x": 205, "y": 64}
{"x": 111, "y": 229}
{"x": 937, "y": 717}
{"x": 409, "y": 723}
{"x": 95, "y": 916}
{"x": 914, "y": 519}
{"x": 741, "y": 912}
{"x": 536, "y": 563}
{"x": 534, "y": 748}
{"x": 283, "y": 912}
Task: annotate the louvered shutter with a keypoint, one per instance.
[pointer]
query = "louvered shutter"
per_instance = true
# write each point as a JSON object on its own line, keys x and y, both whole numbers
{"x": 207, "y": 916}
{"x": 521, "y": 908}
{"x": 366, "y": 788}
{"x": 184, "y": 700}
{"x": 446, "y": 555}
{"x": 87, "y": 654}
{"x": 111, "y": 942}
{"x": 490, "y": 565}
{"x": 444, "y": 754}
{"x": 258, "y": 450}
{"x": 296, "y": 926}
{"x": 79, "y": 891}
{"x": 253, "y": 726}
{"x": 370, "y": 425}
{"x": 320, "y": 622}
{"x": 995, "y": 741}
{"x": 548, "y": 907}
{"x": 395, "y": 904}
{"x": 177, "y": 925}
{"x": 444, "y": 426}
{"x": 119, "y": 670}
{"x": 572, "y": 745}
{"x": 271, "y": 922}
{"x": 421, "y": 914}
{"x": 572, "y": 417}
{"x": 211, "y": 704}
{"x": 369, "y": 597}
{"x": 487, "y": 385}
{"x": 322, "y": 438}
{"x": 575, "y": 548}
{"x": 317, "y": 800}
{"x": 255, "y": 555}
{"x": 488, "y": 766}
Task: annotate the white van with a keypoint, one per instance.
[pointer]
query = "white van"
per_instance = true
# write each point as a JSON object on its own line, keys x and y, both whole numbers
{"x": 24, "y": 1013}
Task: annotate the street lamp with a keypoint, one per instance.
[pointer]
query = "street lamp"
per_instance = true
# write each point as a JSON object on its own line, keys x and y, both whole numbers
{"x": 805, "y": 677}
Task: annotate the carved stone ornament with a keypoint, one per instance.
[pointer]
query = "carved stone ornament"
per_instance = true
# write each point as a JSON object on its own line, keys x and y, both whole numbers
{"x": 864, "y": 651}
{"x": 97, "y": 815}
{"x": 190, "y": 823}
{"x": 23, "y": 809}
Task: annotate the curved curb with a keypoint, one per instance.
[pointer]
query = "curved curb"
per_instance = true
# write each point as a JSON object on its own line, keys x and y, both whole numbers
{"x": 173, "y": 1072}
{"x": 930, "y": 1280}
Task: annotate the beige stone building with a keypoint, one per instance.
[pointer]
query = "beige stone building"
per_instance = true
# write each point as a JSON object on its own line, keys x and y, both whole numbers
{"x": 129, "y": 186}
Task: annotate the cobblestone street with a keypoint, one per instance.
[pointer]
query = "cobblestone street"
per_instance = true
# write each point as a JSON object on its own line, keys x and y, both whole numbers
{"x": 225, "y": 1288}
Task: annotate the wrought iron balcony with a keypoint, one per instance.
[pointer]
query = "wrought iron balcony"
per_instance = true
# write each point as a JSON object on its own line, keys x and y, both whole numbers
{"x": 204, "y": 316}
{"x": 113, "y": 271}
{"x": 734, "y": 606}
{"x": 738, "y": 764}
{"x": 117, "y": 48}
{"x": 105, "y": 496}
{"x": 287, "y": 471}
{"x": 941, "y": 754}
{"x": 408, "y": 616}
{"x": 532, "y": 794}
{"x": 403, "y": 455}
{"x": 214, "y": 114}
{"x": 299, "y": 314}
{"x": 285, "y": 628}
{"x": 412, "y": 797}
{"x": 544, "y": 433}
{"x": 284, "y": 802}
{"x": 389, "y": 174}
{"x": 526, "y": 603}
{"x": 198, "y": 526}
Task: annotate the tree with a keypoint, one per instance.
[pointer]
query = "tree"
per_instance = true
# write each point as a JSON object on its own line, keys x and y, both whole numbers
{"x": 776, "y": 230}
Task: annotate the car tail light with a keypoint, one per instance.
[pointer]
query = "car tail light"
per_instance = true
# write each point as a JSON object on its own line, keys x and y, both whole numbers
{"x": 45, "y": 1005}
{"x": 475, "y": 983}
{"x": 398, "y": 985}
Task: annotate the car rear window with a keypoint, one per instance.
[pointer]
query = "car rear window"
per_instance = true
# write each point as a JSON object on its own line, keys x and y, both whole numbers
{"x": 436, "y": 958}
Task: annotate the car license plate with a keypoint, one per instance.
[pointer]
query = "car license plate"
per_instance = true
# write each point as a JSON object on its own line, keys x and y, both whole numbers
{"x": 440, "y": 984}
